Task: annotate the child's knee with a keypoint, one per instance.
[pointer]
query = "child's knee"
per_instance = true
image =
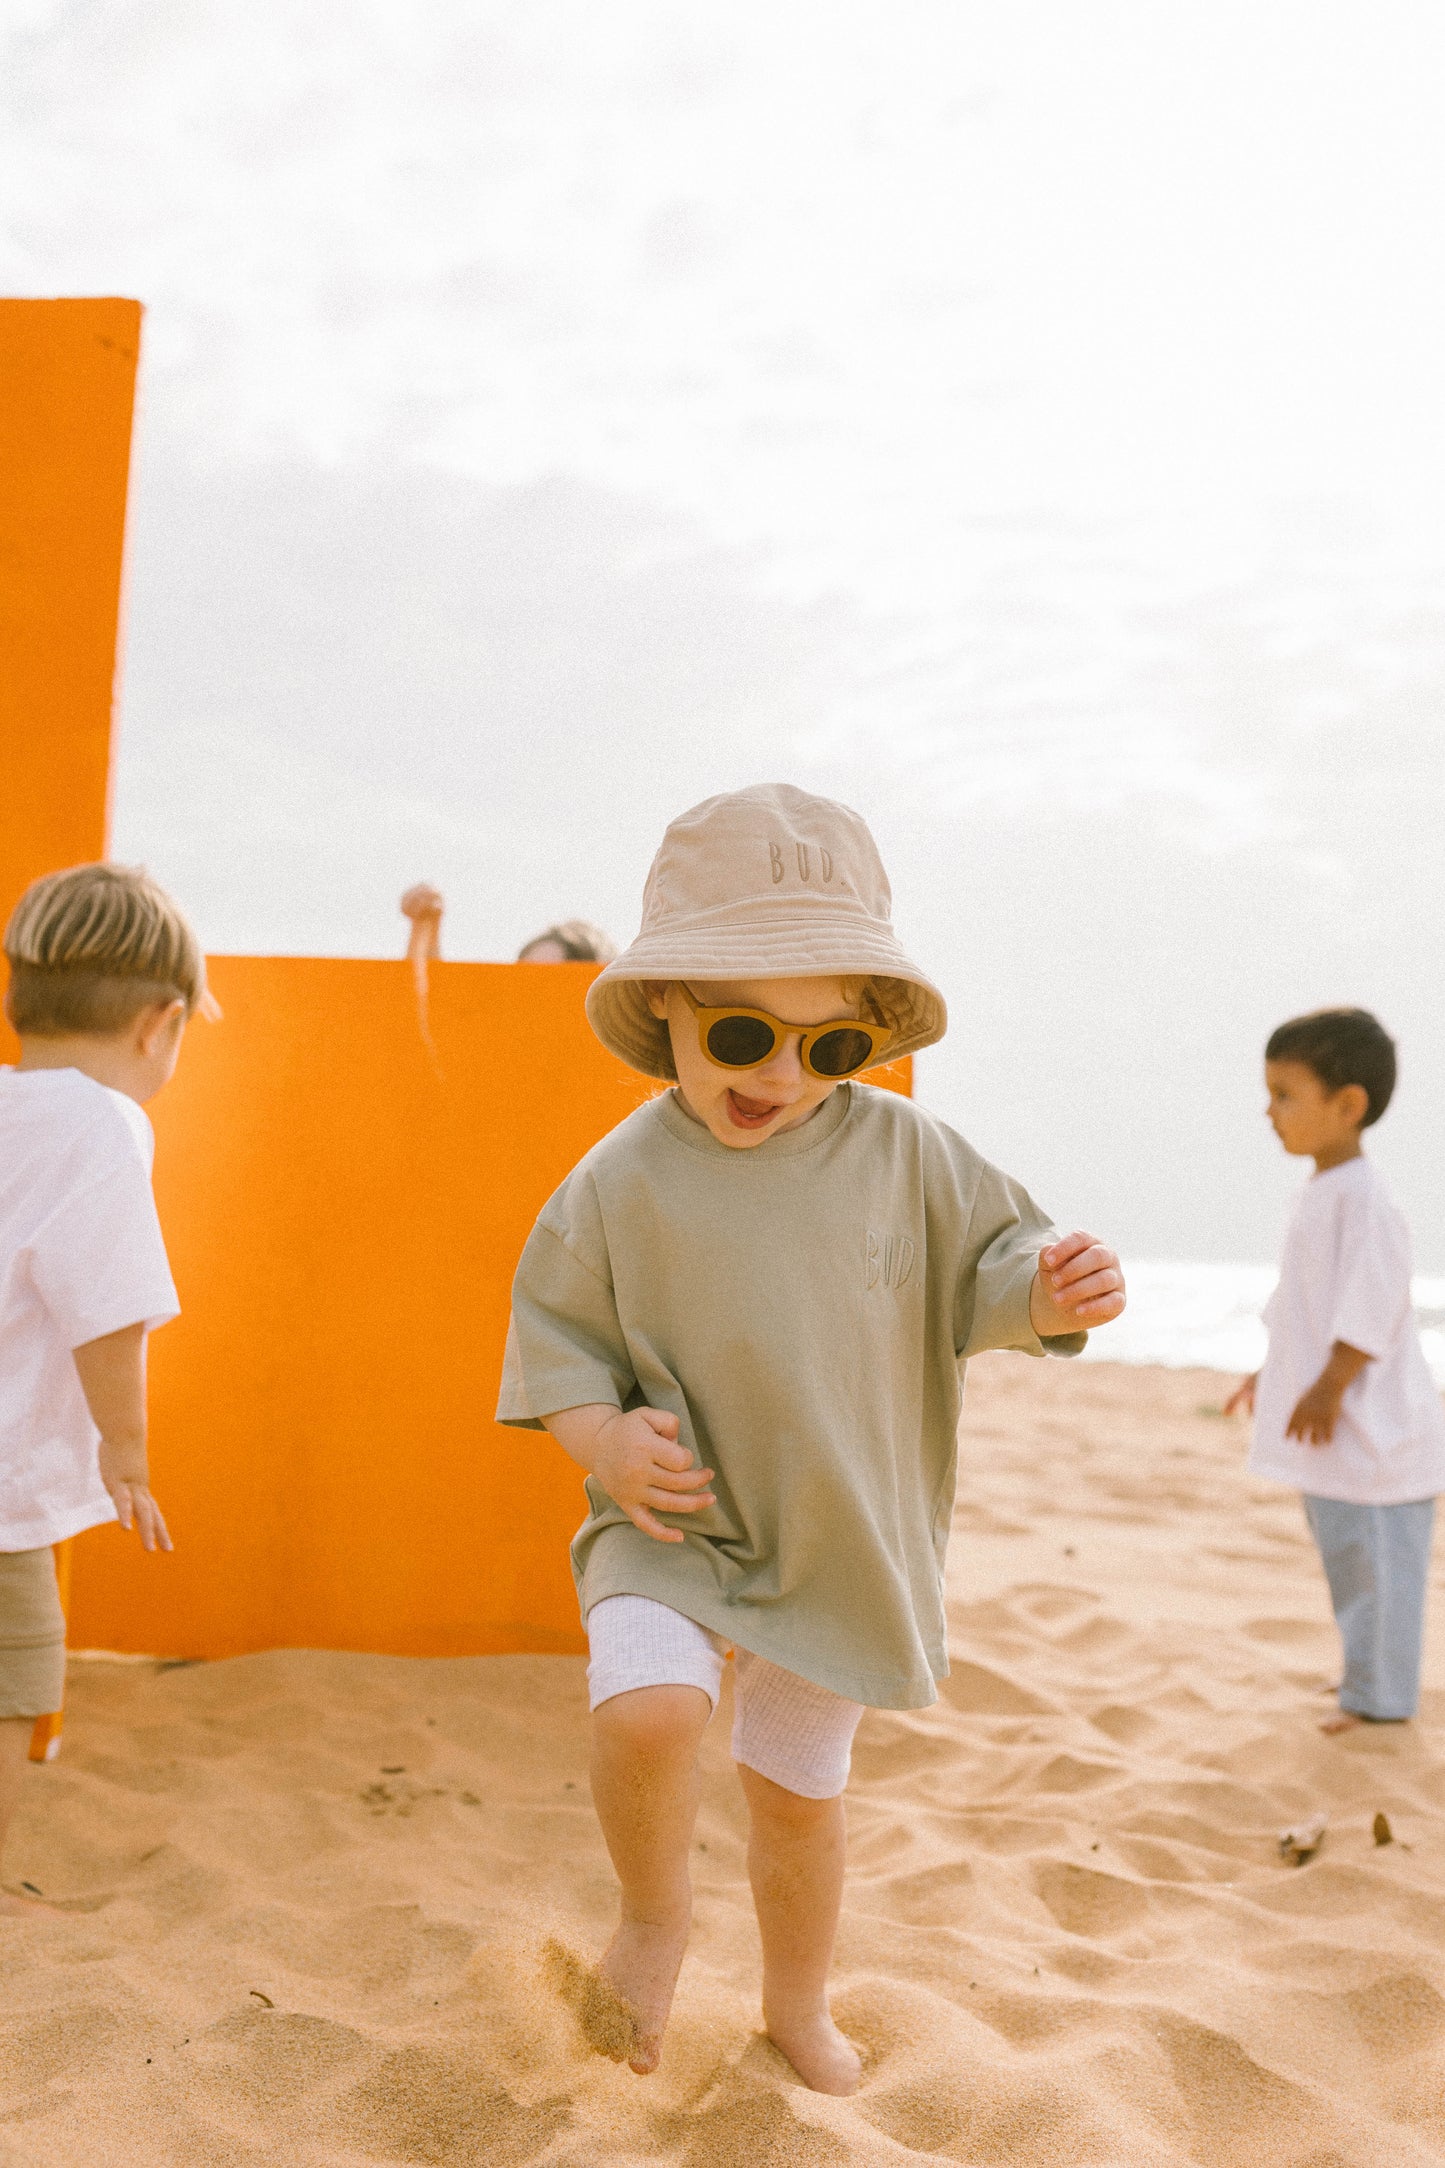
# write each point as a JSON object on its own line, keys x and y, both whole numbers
{"x": 774, "y": 1803}
{"x": 653, "y": 1722}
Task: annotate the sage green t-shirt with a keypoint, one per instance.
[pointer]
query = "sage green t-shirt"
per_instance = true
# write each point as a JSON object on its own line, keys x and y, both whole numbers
{"x": 801, "y": 1308}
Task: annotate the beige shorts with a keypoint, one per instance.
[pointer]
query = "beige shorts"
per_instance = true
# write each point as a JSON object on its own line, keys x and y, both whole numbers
{"x": 32, "y": 1635}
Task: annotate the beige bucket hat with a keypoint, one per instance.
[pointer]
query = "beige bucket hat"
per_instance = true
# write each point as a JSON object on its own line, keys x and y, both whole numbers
{"x": 765, "y": 883}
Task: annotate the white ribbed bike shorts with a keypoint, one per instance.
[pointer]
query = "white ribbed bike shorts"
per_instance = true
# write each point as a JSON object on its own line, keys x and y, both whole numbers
{"x": 794, "y": 1733}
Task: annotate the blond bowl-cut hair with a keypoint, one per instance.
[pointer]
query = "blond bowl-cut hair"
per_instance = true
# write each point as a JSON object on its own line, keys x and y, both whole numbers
{"x": 91, "y": 947}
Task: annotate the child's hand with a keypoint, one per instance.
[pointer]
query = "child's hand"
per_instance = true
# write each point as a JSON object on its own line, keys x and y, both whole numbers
{"x": 130, "y": 1495}
{"x": 112, "y": 1377}
{"x": 424, "y": 906}
{"x": 423, "y": 901}
{"x": 639, "y": 1463}
{"x": 1241, "y": 1400}
{"x": 1079, "y": 1283}
{"x": 1316, "y": 1414}
{"x": 1318, "y": 1410}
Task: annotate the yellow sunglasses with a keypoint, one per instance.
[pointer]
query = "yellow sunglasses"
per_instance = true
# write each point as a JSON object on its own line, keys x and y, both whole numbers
{"x": 733, "y": 1038}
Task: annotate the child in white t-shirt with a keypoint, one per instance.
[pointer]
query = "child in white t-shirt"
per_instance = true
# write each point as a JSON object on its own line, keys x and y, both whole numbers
{"x": 1344, "y": 1408}
{"x": 104, "y": 975}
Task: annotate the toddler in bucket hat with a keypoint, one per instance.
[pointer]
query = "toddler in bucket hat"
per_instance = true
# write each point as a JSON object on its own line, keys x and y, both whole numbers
{"x": 745, "y": 1315}
{"x": 763, "y": 883}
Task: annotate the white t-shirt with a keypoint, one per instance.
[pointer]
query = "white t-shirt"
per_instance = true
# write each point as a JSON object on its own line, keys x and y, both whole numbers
{"x": 1345, "y": 1275}
{"x": 81, "y": 1255}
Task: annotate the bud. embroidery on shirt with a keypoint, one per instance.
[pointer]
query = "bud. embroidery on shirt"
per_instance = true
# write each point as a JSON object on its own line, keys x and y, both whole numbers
{"x": 889, "y": 1259}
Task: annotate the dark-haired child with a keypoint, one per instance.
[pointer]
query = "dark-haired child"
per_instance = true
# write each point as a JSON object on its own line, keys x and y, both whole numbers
{"x": 1344, "y": 1408}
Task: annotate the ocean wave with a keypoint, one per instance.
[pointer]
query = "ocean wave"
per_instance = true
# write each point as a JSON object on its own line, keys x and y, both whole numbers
{"x": 1210, "y": 1317}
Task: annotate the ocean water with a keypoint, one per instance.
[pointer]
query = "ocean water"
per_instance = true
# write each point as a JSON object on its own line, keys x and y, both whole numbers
{"x": 1210, "y": 1316}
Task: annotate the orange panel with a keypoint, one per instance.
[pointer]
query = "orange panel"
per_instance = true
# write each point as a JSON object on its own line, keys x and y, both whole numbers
{"x": 344, "y": 1215}
{"x": 67, "y": 383}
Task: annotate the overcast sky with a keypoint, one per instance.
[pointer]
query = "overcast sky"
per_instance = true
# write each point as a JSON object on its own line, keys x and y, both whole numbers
{"x": 1020, "y": 421}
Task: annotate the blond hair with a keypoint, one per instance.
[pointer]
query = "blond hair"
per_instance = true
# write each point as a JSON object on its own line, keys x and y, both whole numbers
{"x": 882, "y": 996}
{"x": 580, "y": 942}
{"x": 90, "y": 948}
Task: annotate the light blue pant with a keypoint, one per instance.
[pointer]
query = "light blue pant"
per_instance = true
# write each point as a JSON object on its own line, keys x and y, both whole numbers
{"x": 1377, "y": 1562}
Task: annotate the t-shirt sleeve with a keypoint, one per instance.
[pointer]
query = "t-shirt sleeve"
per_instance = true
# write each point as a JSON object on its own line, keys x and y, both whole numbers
{"x": 1001, "y": 1255}
{"x": 565, "y": 1347}
{"x": 1372, "y": 1294}
{"x": 98, "y": 1260}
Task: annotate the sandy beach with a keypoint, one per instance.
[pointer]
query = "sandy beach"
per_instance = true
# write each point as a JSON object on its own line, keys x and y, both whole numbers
{"x": 302, "y": 1896}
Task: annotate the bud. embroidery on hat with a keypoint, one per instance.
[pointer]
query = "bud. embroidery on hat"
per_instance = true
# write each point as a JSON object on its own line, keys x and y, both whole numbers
{"x": 805, "y": 862}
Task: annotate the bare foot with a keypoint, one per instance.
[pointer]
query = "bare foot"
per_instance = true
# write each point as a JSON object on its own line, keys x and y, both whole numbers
{"x": 609, "y": 2025}
{"x": 640, "y": 1965}
{"x": 824, "y": 2058}
{"x": 1342, "y": 1720}
{"x": 622, "y": 2004}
